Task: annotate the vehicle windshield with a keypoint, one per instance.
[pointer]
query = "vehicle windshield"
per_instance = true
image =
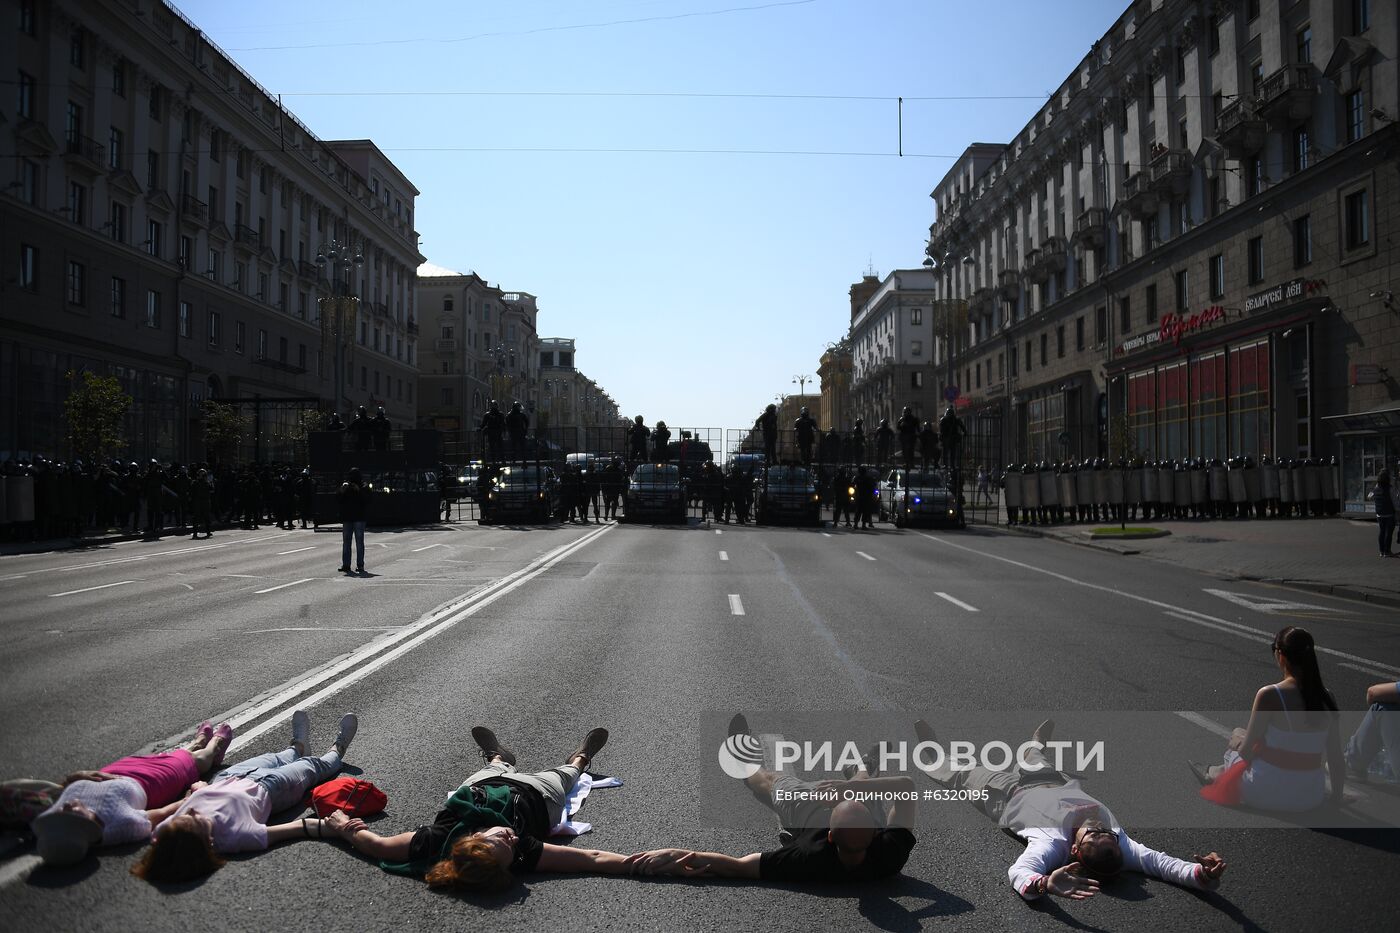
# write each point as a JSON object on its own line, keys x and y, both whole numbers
{"x": 931, "y": 479}
{"x": 794, "y": 476}
{"x": 523, "y": 476}
{"x": 657, "y": 473}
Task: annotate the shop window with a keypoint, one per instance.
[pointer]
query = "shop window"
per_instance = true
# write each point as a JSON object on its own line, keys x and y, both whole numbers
{"x": 1142, "y": 411}
{"x": 1172, "y": 412}
{"x": 1249, "y": 403}
{"x": 1208, "y": 406}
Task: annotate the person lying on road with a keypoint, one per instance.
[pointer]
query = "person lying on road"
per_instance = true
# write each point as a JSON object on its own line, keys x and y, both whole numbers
{"x": 825, "y": 838}
{"x": 492, "y": 826}
{"x": 123, "y": 801}
{"x": 230, "y": 813}
{"x": 1072, "y": 840}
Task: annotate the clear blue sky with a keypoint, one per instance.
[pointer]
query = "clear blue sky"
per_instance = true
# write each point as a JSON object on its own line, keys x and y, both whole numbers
{"x": 696, "y": 283}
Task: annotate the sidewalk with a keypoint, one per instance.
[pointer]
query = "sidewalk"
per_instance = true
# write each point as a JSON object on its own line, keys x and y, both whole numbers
{"x": 1337, "y": 556}
{"x": 94, "y": 538}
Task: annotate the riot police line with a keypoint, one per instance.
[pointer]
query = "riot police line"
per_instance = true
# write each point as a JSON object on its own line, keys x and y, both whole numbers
{"x": 1101, "y": 490}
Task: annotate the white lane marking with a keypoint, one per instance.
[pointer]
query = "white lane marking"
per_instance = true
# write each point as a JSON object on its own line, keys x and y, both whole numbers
{"x": 388, "y": 649}
{"x": 719, "y": 531}
{"x": 865, "y": 555}
{"x": 1367, "y": 670}
{"x": 427, "y": 547}
{"x": 127, "y": 560}
{"x": 1228, "y": 630}
{"x": 1205, "y": 722}
{"x": 309, "y": 547}
{"x": 240, "y": 576}
{"x": 1266, "y": 604}
{"x": 323, "y": 628}
{"x": 18, "y": 868}
{"x": 724, "y": 555}
{"x": 826, "y": 534}
{"x": 188, "y": 587}
{"x": 736, "y": 605}
{"x": 1189, "y": 615}
{"x": 89, "y": 589}
{"x": 282, "y": 586}
{"x": 957, "y": 602}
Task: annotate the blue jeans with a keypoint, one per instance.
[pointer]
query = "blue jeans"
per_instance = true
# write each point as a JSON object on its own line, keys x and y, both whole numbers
{"x": 284, "y": 776}
{"x": 1380, "y": 729}
{"x": 1387, "y": 528}
{"x": 356, "y": 529}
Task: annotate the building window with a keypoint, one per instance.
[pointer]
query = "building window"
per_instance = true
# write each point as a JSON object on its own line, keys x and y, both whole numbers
{"x": 115, "y": 145}
{"x": 153, "y": 309}
{"x": 1181, "y": 65}
{"x": 1079, "y": 333}
{"x": 28, "y": 268}
{"x": 1302, "y": 241}
{"x": 183, "y": 257}
{"x": 1044, "y": 349}
{"x": 26, "y": 96}
{"x": 916, "y": 315}
{"x": 1214, "y": 34}
{"x": 1060, "y": 342}
{"x": 1253, "y": 176}
{"x": 916, "y": 348}
{"x": 1255, "y": 250}
{"x": 1028, "y": 356}
{"x": 119, "y": 77}
{"x": 215, "y": 329}
{"x": 216, "y": 145}
{"x": 29, "y": 181}
{"x": 1360, "y": 15}
{"x": 152, "y": 169}
{"x": 77, "y": 49}
{"x": 1251, "y": 10}
{"x": 26, "y": 17}
{"x": 1012, "y": 354}
{"x": 1356, "y": 115}
{"x": 116, "y": 219}
{"x": 447, "y": 395}
{"x": 77, "y": 203}
{"x": 182, "y": 320}
{"x": 1100, "y": 325}
{"x": 1217, "y": 276}
{"x": 153, "y": 236}
{"x": 1151, "y": 303}
{"x": 77, "y": 283}
{"x": 239, "y": 332}
{"x": 977, "y": 375}
{"x": 1125, "y": 315}
{"x": 1303, "y": 46}
{"x": 1301, "y": 148}
{"x": 1183, "y": 291}
{"x": 301, "y": 356}
{"x": 118, "y": 308}
{"x": 216, "y": 212}
{"x": 262, "y": 343}
{"x": 1356, "y": 216}
{"x": 153, "y": 102}
{"x": 282, "y": 349}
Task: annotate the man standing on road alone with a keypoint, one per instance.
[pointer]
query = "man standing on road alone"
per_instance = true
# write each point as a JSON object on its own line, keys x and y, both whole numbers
{"x": 354, "y": 504}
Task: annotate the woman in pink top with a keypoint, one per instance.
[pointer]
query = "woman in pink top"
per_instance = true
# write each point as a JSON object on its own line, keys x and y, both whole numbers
{"x": 230, "y": 813}
{"x": 121, "y": 801}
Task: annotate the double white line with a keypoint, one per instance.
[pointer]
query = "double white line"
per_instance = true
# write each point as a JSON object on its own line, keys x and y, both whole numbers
{"x": 271, "y": 710}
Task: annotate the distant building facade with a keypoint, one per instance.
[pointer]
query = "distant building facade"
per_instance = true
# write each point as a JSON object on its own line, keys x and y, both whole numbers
{"x": 892, "y": 344}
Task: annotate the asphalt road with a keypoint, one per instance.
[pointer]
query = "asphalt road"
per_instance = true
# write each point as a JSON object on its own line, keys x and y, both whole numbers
{"x": 655, "y": 632}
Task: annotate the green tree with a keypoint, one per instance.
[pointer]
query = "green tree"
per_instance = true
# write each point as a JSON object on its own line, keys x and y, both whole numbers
{"x": 1122, "y": 439}
{"x": 95, "y": 411}
{"x": 224, "y": 428}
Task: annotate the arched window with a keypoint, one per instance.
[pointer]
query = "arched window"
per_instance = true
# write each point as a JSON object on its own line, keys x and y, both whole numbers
{"x": 447, "y": 303}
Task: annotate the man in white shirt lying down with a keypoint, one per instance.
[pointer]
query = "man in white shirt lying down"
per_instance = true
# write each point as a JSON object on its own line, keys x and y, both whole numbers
{"x": 1072, "y": 840}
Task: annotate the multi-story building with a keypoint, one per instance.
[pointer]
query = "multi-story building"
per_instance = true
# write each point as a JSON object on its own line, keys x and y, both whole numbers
{"x": 834, "y": 376}
{"x": 164, "y": 219}
{"x": 571, "y": 404}
{"x": 892, "y": 343}
{"x": 1185, "y": 253}
{"x": 513, "y": 342}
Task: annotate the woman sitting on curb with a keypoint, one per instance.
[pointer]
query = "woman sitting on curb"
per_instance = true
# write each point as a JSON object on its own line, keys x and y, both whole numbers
{"x": 229, "y": 814}
{"x": 122, "y": 801}
{"x": 492, "y": 825}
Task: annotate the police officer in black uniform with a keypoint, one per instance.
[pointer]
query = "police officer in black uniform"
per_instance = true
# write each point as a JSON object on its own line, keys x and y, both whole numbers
{"x": 908, "y": 427}
{"x": 805, "y": 427}
{"x": 637, "y": 436}
{"x": 661, "y": 442}
{"x": 492, "y": 427}
{"x": 517, "y": 426}
{"x": 381, "y": 426}
{"x": 767, "y": 425}
{"x": 362, "y": 429}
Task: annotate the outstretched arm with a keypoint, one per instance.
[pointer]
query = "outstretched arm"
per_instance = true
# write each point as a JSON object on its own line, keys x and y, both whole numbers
{"x": 686, "y": 863}
{"x": 1203, "y": 871}
{"x": 365, "y": 841}
{"x": 566, "y": 859}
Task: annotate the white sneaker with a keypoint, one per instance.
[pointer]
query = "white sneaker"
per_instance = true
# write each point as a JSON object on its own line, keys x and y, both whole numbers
{"x": 301, "y": 731}
{"x": 349, "y": 724}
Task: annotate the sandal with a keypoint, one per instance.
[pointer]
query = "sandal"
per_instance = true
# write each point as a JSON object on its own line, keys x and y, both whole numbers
{"x": 223, "y": 735}
{"x": 202, "y": 735}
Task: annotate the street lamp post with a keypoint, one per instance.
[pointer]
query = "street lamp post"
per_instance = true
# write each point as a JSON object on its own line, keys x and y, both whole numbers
{"x": 801, "y": 381}
{"x": 344, "y": 308}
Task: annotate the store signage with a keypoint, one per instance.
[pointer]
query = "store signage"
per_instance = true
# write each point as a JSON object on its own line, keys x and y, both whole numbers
{"x": 1140, "y": 341}
{"x": 1288, "y": 291}
{"x": 1365, "y": 374}
{"x": 1175, "y": 326}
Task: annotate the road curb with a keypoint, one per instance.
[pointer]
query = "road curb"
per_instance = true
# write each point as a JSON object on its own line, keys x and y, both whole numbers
{"x": 1312, "y": 586}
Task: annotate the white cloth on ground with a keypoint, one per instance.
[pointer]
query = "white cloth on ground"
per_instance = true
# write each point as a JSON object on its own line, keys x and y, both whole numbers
{"x": 586, "y": 782}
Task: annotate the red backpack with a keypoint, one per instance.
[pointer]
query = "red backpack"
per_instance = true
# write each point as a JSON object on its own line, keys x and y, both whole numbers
{"x": 351, "y": 795}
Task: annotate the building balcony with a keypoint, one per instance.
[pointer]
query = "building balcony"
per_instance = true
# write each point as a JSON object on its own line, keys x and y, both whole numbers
{"x": 247, "y": 238}
{"x": 85, "y": 153}
{"x": 194, "y": 210}
{"x": 381, "y": 309}
{"x": 308, "y": 269}
{"x": 445, "y": 344}
{"x": 1054, "y": 253}
{"x": 1170, "y": 170}
{"x": 1035, "y": 268}
{"x": 1009, "y": 284}
{"x": 1286, "y": 96}
{"x": 983, "y": 299}
{"x": 1139, "y": 199}
{"x": 1089, "y": 226}
{"x": 1240, "y": 129}
{"x": 412, "y": 327}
